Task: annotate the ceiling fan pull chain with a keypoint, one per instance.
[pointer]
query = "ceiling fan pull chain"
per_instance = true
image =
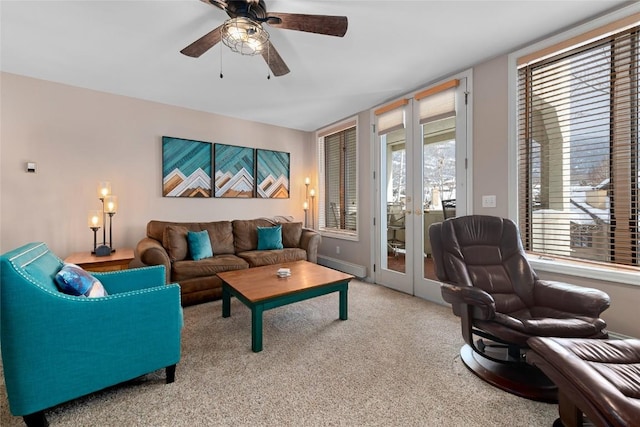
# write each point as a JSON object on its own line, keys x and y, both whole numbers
{"x": 268, "y": 63}
{"x": 221, "y": 75}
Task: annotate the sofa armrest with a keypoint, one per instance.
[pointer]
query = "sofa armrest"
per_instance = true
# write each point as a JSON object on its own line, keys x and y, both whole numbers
{"x": 572, "y": 298}
{"x": 310, "y": 242}
{"x": 151, "y": 252}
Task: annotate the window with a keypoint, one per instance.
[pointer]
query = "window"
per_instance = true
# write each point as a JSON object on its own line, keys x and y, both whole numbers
{"x": 338, "y": 198}
{"x": 578, "y": 151}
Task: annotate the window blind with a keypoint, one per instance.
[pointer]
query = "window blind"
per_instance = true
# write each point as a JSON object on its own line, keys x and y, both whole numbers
{"x": 391, "y": 117}
{"x": 338, "y": 172}
{"x": 578, "y": 151}
{"x": 350, "y": 180}
{"x": 438, "y": 102}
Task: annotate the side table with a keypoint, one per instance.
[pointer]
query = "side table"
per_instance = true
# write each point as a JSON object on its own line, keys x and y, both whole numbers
{"x": 119, "y": 260}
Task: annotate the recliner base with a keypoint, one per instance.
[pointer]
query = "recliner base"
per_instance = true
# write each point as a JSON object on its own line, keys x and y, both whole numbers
{"x": 520, "y": 379}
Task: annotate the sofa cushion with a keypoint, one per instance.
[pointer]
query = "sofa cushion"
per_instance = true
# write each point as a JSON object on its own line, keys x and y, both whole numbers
{"x": 174, "y": 241}
{"x": 199, "y": 245}
{"x": 73, "y": 280}
{"x": 270, "y": 238}
{"x": 189, "y": 269}
{"x": 291, "y": 234}
{"x": 221, "y": 236}
{"x": 274, "y": 256}
{"x": 155, "y": 229}
{"x": 245, "y": 233}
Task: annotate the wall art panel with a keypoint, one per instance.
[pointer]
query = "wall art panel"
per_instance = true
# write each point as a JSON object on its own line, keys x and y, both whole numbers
{"x": 272, "y": 174}
{"x": 186, "y": 168}
{"x": 234, "y": 171}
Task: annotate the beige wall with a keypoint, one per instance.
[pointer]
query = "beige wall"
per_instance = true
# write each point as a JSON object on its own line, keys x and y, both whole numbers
{"x": 78, "y": 137}
{"x": 490, "y": 131}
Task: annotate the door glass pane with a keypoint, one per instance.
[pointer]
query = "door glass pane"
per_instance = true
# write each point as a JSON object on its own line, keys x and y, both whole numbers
{"x": 394, "y": 198}
{"x": 439, "y": 179}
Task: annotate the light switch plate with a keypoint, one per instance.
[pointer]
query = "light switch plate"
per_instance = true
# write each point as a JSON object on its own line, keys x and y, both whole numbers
{"x": 489, "y": 201}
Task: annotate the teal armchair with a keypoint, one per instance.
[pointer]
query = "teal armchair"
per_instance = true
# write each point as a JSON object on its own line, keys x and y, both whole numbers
{"x": 57, "y": 347}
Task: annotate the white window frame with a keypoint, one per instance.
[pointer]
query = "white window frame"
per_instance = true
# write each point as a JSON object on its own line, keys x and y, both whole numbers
{"x": 320, "y": 135}
{"x": 544, "y": 264}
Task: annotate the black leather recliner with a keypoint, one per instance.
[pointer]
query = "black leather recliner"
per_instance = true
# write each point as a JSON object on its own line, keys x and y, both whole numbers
{"x": 493, "y": 289}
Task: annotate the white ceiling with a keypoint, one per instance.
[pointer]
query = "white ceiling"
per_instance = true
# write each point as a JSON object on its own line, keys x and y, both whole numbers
{"x": 391, "y": 48}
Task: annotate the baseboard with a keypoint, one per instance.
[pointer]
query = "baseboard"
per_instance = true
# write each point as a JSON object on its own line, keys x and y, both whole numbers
{"x": 359, "y": 271}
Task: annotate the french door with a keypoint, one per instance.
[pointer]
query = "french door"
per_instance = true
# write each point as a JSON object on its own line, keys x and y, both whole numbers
{"x": 422, "y": 177}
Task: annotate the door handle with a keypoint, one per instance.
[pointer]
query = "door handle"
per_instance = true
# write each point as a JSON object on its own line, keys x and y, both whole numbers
{"x": 418, "y": 212}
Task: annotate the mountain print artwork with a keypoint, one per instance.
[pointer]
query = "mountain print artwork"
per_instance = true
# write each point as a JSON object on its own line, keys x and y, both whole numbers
{"x": 234, "y": 166}
{"x": 186, "y": 168}
{"x": 272, "y": 174}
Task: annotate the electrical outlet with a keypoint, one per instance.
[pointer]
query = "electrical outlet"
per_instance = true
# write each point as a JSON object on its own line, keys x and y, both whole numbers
{"x": 489, "y": 201}
{"x": 338, "y": 250}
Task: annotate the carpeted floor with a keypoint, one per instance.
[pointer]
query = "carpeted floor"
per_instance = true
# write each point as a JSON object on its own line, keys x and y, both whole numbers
{"x": 393, "y": 363}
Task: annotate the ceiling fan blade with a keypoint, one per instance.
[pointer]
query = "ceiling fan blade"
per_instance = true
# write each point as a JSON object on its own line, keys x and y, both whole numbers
{"x": 274, "y": 61}
{"x": 203, "y": 44}
{"x": 222, "y": 4}
{"x": 319, "y": 24}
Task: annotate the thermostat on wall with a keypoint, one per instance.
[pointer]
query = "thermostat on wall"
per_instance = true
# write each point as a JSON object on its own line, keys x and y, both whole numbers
{"x": 31, "y": 167}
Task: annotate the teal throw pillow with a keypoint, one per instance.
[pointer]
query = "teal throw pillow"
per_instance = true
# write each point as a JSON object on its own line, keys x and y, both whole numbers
{"x": 199, "y": 244}
{"x": 73, "y": 280}
{"x": 270, "y": 238}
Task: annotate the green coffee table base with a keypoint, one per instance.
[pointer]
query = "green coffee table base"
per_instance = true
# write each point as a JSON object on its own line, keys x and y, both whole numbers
{"x": 257, "y": 308}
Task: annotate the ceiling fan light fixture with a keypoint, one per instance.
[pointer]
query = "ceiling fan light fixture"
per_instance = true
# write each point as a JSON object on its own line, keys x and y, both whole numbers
{"x": 244, "y": 36}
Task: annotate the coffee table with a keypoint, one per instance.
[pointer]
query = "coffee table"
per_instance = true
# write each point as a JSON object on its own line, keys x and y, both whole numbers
{"x": 261, "y": 289}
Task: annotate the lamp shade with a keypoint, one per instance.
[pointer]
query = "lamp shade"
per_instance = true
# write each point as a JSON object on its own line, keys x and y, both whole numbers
{"x": 94, "y": 219}
{"x": 111, "y": 204}
{"x": 104, "y": 189}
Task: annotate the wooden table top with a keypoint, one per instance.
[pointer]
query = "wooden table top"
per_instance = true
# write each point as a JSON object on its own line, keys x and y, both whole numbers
{"x": 260, "y": 283}
{"x": 87, "y": 258}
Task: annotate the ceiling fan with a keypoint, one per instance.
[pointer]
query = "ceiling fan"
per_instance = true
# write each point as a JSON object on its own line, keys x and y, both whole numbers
{"x": 244, "y": 33}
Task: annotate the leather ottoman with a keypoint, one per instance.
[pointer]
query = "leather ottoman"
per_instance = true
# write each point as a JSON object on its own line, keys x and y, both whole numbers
{"x": 599, "y": 379}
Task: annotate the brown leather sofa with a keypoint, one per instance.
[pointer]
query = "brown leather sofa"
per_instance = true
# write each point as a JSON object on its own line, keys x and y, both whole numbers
{"x": 596, "y": 378}
{"x": 234, "y": 245}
